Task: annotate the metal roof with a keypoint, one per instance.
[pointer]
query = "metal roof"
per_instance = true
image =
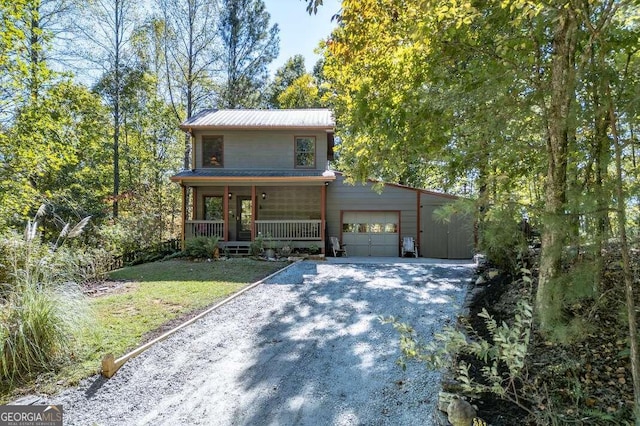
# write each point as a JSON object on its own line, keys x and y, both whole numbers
{"x": 261, "y": 118}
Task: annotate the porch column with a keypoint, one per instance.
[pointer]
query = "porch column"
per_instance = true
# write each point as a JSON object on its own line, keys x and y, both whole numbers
{"x": 194, "y": 203}
{"x": 183, "y": 215}
{"x": 225, "y": 213}
{"x": 253, "y": 212}
{"x": 419, "y": 215}
{"x": 323, "y": 216}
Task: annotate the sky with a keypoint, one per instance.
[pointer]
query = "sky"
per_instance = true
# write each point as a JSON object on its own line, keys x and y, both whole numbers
{"x": 299, "y": 31}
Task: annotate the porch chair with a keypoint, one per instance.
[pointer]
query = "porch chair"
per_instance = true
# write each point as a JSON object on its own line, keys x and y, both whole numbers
{"x": 335, "y": 246}
{"x": 409, "y": 246}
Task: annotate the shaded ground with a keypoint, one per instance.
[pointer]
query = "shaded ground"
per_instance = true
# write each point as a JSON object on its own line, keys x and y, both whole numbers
{"x": 586, "y": 381}
{"x": 305, "y": 348}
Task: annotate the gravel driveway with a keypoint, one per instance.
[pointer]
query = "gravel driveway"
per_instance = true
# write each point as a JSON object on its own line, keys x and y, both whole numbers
{"x": 304, "y": 348}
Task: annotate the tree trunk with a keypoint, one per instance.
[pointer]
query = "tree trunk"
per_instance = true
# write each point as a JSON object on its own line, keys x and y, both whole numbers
{"x": 548, "y": 298}
{"x": 626, "y": 267}
{"x": 190, "y": 83}
{"x": 116, "y": 110}
{"x": 35, "y": 52}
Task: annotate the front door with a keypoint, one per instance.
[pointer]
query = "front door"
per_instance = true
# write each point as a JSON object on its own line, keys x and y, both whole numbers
{"x": 243, "y": 219}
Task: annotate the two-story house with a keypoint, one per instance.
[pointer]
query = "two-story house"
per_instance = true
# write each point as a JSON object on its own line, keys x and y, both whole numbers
{"x": 266, "y": 172}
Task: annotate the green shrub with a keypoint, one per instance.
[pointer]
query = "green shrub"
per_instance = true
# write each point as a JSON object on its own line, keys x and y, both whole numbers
{"x": 41, "y": 306}
{"x": 201, "y": 247}
{"x": 93, "y": 264}
{"x": 503, "y": 354}
{"x": 257, "y": 246}
{"x": 502, "y": 239}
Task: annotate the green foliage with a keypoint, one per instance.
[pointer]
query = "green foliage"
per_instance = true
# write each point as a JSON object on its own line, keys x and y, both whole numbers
{"x": 248, "y": 44}
{"x": 147, "y": 217}
{"x": 284, "y": 77}
{"x": 94, "y": 264}
{"x": 256, "y": 248}
{"x": 502, "y": 238}
{"x": 54, "y": 153}
{"x": 303, "y": 93}
{"x": 201, "y": 247}
{"x": 516, "y": 101}
{"x": 286, "y": 249}
{"x": 41, "y": 307}
{"x": 503, "y": 354}
{"x": 579, "y": 282}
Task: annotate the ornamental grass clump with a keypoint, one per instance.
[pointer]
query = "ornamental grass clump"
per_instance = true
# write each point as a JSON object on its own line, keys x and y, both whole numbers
{"x": 41, "y": 305}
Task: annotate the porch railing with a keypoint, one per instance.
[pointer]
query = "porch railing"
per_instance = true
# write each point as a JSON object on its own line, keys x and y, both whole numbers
{"x": 204, "y": 228}
{"x": 289, "y": 229}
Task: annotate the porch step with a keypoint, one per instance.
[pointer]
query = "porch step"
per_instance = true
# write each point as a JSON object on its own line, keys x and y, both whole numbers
{"x": 237, "y": 248}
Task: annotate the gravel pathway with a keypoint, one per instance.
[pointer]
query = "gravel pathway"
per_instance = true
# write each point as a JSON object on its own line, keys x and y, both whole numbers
{"x": 304, "y": 348}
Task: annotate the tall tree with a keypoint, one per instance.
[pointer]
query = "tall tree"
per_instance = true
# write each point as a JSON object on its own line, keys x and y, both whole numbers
{"x": 104, "y": 31}
{"x": 302, "y": 93}
{"x": 44, "y": 23}
{"x": 284, "y": 77}
{"x": 50, "y": 143}
{"x": 293, "y": 87}
{"x": 189, "y": 38}
{"x": 475, "y": 89}
{"x": 249, "y": 44}
{"x": 54, "y": 154}
{"x": 12, "y": 66}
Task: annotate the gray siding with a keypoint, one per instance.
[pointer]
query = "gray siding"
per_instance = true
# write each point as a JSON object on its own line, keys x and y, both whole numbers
{"x": 452, "y": 240}
{"x": 289, "y": 203}
{"x": 262, "y": 149}
{"x": 435, "y": 239}
{"x": 346, "y": 197}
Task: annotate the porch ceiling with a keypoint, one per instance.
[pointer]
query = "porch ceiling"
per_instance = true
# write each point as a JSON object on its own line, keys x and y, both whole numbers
{"x": 257, "y": 177}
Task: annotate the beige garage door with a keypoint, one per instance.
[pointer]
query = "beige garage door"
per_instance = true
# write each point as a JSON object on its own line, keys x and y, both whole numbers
{"x": 370, "y": 233}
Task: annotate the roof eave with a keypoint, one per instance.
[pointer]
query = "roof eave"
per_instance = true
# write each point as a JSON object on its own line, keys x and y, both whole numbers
{"x": 253, "y": 179}
{"x": 190, "y": 128}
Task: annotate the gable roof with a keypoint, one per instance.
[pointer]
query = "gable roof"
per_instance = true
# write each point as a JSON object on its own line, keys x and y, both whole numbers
{"x": 261, "y": 119}
{"x": 409, "y": 188}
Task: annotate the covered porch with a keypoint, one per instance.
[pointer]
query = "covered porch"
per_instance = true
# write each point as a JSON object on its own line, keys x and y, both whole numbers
{"x": 283, "y": 211}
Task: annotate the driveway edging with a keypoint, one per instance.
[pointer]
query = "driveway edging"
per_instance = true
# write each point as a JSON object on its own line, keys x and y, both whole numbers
{"x": 110, "y": 365}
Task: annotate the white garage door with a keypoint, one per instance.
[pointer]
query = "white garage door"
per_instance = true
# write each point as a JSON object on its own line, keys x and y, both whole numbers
{"x": 370, "y": 233}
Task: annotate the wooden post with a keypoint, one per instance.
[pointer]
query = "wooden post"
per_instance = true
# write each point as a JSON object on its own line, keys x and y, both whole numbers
{"x": 225, "y": 213}
{"x": 419, "y": 214}
{"x": 323, "y": 217}
{"x": 183, "y": 216}
{"x": 109, "y": 366}
{"x": 253, "y": 212}
{"x": 194, "y": 203}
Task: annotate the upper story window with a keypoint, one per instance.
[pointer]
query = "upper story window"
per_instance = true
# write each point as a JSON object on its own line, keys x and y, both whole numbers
{"x": 306, "y": 152}
{"x": 212, "y": 150}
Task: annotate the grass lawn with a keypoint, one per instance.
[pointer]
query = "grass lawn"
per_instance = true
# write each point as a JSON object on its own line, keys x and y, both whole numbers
{"x": 154, "y": 294}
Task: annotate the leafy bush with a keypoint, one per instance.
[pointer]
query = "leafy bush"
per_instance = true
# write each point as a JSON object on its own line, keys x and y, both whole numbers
{"x": 502, "y": 238}
{"x": 503, "y": 354}
{"x": 201, "y": 247}
{"x": 93, "y": 264}
{"x": 143, "y": 222}
{"x": 41, "y": 306}
{"x": 256, "y": 248}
